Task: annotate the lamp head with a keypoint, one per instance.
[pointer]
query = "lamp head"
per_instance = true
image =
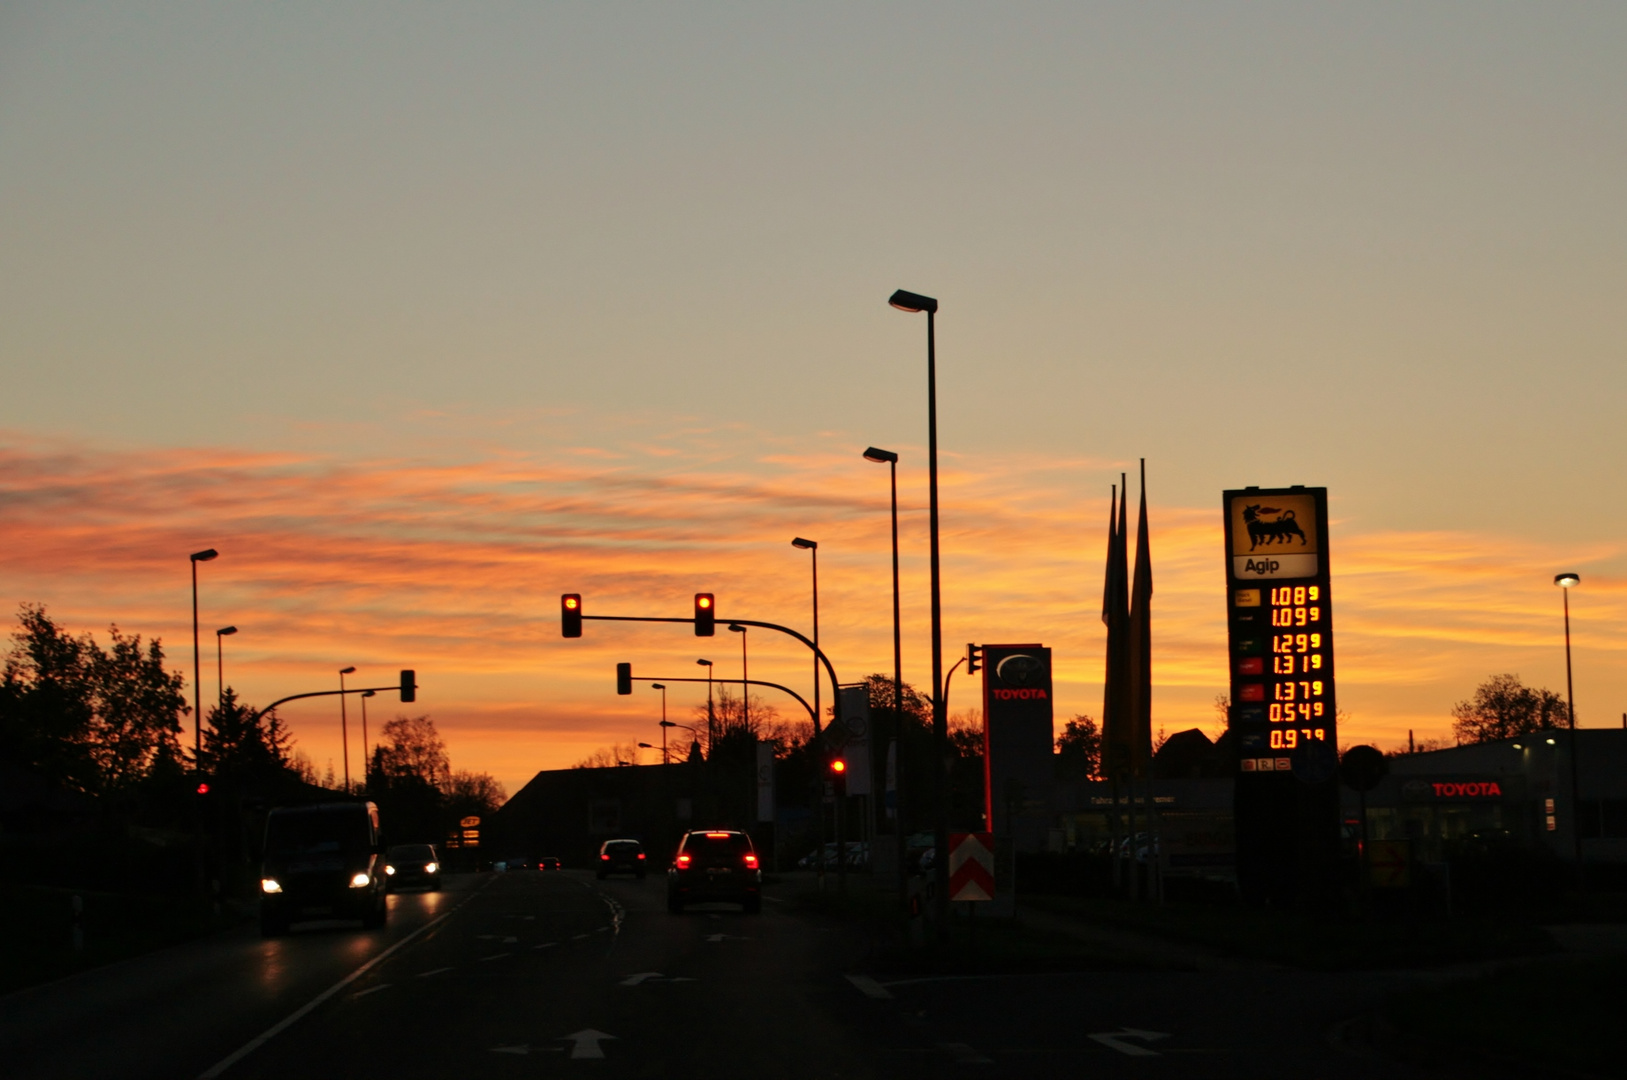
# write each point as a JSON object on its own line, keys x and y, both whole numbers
{"x": 1566, "y": 581}
{"x": 904, "y": 300}
{"x": 369, "y": 693}
{"x": 226, "y": 631}
{"x": 737, "y": 628}
{"x": 347, "y": 671}
{"x": 205, "y": 555}
{"x": 667, "y": 723}
{"x": 704, "y": 663}
{"x": 880, "y": 457}
{"x": 658, "y": 686}
{"x": 645, "y": 746}
{"x": 805, "y": 545}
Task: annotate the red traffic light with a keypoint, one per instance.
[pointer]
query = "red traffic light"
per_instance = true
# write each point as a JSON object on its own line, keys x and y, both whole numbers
{"x": 203, "y": 789}
{"x": 570, "y": 615}
{"x": 838, "y": 766}
{"x": 705, "y": 615}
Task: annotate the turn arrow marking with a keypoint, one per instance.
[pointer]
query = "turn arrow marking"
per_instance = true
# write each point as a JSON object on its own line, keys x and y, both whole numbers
{"x": 585, "y": 1043}
{"x": 1115, "y": 1040}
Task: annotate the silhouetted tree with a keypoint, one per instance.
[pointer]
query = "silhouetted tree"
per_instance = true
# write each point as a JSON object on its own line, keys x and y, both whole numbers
{"x": 1503, "y": 707}
{"x": 473, "y": 793}
{"x": 411, "y": 751}
{"x": 235, "y": 745}
{"x": 1079, "y": 749}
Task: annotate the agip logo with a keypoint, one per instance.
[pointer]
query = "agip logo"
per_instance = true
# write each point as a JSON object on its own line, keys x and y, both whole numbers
{"x": 1274, "y": 536}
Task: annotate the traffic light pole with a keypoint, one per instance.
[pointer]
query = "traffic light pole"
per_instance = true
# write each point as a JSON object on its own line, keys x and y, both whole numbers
{"x": 752, "y": 682}
{"x": 329, "y": 693}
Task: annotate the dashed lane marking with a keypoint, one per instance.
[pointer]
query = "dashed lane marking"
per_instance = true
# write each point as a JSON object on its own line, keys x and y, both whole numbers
{"x": 432, "y": 971}
{"x": 371, "y": 990}
{"x": 495, "y": 956}
{"x": 870, "y": 988}
{"x": 965, "y": 1055}
{"x": 546, "y": 945}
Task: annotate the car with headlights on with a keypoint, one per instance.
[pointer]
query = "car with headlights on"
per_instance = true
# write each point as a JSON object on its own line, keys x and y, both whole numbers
{"x": 323, "y": 861}
{"x": 715, "y": 864}
{"x": 409, "y": 865}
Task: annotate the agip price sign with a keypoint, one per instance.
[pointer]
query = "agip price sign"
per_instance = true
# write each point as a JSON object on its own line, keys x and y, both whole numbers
{"x": 1280, "y": 612}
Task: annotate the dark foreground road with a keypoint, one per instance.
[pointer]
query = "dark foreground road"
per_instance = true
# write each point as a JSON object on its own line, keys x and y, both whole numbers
{"x": 531, "y": 974}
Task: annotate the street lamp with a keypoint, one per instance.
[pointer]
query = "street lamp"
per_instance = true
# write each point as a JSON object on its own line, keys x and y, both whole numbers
{"x": 812, "y": 548}
{"x": 665, "y": 760}
{"x": 1566, "y": 583}
{"x": 914, "y": 302}
{"x": 745, "y": 675}
{"x": 890, "y": 459}
{"x": 344, "y": 727}
{"x": 367, "y": 754}
{"x": 711, "y": 718}
{"x": 220, "y": 663}
{"x": 197, "y": 706}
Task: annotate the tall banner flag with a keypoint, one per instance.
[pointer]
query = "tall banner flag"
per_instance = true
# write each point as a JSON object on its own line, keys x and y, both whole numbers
{"x": 1140, "y": 645}
{"x": 1117, "y": 724}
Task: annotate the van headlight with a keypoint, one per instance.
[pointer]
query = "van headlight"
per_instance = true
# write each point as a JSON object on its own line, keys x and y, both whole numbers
{"x": 270, "y": 885}
{"x": 389, "y": 870}
{"x": 360, "y": 881}
{"x": 430, "y": 868}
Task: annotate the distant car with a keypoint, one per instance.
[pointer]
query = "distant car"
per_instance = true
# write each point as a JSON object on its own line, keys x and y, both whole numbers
{"x": 513, "y": 862}
{"x": 550, "y": 862}
{"x": 406, "y": 865}
{"x": 715, "y": 864}
{"x": 322, "y": 861}
{"x": 622, "y": 857}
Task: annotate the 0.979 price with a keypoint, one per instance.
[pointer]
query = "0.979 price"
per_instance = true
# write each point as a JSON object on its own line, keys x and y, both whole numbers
{"x": 1288, "y": 738}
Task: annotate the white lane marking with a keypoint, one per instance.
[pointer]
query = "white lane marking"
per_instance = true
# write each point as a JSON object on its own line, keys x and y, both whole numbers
{"x": 299, "y": 1014}
{"x": 510, "y": 940}
{"x": 965, "y": 1055}
{"x": 546, "y": 945}
{"x": 870, "y": 988}
{"x": 578, "y": 937}
{"x": 726, "y": 937}
{"x": 1115, "y": 1039}
{"x": 523, "y": 1049}
{"x": 634, "y": 980}
{"x": 494, "y": 956}
{"x": 432, "y": 971}
{"x": 774, "y": 899}
{"x": 585, "y": 1043}
{"x": 371, "y": 990}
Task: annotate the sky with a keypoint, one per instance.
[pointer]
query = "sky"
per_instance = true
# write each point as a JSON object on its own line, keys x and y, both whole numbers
{"x": 423, "y": 315}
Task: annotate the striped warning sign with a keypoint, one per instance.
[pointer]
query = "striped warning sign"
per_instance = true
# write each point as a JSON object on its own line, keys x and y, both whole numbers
{"x": 971, "y": 866}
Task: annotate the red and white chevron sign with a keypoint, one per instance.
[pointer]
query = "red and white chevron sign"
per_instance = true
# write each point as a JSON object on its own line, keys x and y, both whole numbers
{"x": 971, "y": 866}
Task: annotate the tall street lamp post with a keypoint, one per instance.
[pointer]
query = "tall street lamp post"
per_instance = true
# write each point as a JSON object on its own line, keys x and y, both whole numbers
{"x": 220, "y": 663}
{"x": 367, "y": 752}
{"x": 812, "y": 548}
{"x": 914, "y": 302}
{"x": 1566, "y": 583}
{"x": 711, "y": 717}
{"x": 890, "y": 459}
{"x": 197, "y": 706}
{"x": 344, "y": 725}
{"x": 745, "y": 676}
{"x": 665, "y": 760}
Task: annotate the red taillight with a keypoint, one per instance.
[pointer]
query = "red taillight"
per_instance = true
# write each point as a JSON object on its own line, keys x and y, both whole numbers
{"x": 683, "y": 861}
{"x": 606, "y": 858}
{"x": 751, "y": 862}
{"x": 641, "y": 854}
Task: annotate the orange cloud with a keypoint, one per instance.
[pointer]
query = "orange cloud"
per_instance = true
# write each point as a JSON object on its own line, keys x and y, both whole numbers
{"x": 453, "y": 562}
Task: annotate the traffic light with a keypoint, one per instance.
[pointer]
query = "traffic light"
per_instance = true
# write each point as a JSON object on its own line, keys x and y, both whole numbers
{"x": 838, "y": 774}
{"x": 974, "y": 658}
{"x": 570, "y": 615}
{"x": 203, "y": 787}
{"x": 624, "y": 678}
{"x": 705, "y": 615}
{"x": 409, "y": 685}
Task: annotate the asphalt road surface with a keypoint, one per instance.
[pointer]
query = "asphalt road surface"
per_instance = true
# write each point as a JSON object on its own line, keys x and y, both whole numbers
{"x": 555, "y": 974}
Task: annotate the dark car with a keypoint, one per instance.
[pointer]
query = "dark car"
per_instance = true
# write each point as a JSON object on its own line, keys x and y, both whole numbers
{"x": 322, "y": 862}
{"x": 550, "y": 862}
{"x": 622, "y": 857}
{"x": 406, "y": 865}
{"x": 715, "y": 864}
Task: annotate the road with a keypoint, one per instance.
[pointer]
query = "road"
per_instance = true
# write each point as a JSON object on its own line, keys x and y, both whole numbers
{"x": 555, "y": 974}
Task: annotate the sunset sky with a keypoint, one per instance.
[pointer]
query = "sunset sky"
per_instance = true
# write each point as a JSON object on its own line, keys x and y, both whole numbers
{"x": 423, "y": 315}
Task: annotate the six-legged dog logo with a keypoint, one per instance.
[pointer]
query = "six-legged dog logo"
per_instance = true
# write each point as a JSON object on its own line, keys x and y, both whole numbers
{"x": 1278, "y": 530}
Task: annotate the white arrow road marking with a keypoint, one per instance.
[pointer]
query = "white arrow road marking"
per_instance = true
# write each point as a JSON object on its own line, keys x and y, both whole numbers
{"x": 634, "y": 980}
{"x": 870, "y": 988}
{"x": 965, "y": 1055}
{"x": 585, "y": 1043}
{"x": 1115, "y": 1039}
{"x": 523, "y": 1048}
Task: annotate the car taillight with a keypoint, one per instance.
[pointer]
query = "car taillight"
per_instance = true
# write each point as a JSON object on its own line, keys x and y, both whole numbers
{"x": 641, "y": 854}
{"x": 751, "y": 862}
{"x": 683, "y": 861}
{"x": 606, "y": 858}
